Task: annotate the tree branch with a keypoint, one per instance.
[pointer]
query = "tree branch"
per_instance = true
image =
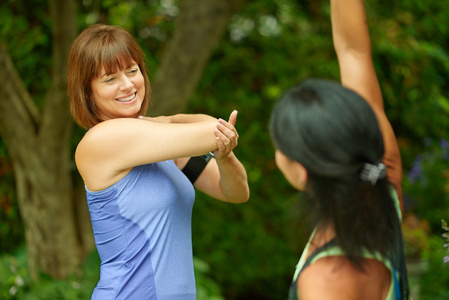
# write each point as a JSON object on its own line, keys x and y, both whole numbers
{"x": 198, "y": 31}
{"x": 19, "y": 116}
{"x": 56, "y": 111}
{"x": 56, "y": 120}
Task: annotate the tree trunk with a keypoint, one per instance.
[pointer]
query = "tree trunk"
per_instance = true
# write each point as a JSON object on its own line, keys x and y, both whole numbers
{"x": 52, "y": 208}
{"x": 38, "y": 144}
{"x": 198, "y": 30}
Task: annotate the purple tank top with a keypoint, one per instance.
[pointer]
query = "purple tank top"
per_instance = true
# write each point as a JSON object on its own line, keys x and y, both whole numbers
{"x": 142, "y": 229}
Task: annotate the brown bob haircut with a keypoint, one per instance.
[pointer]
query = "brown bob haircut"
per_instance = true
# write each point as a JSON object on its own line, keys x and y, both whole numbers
{"x": 98, "y": 47}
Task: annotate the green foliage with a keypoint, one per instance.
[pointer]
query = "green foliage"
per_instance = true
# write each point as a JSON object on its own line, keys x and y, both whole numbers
{"x": 435, "y": 282}
{"x": 150, "y": 22}
{"x": 13, "y": 270}
{"x": 426, "y": 184}
{"x": 206, "y": 288}
{"x": 426, "y": 187}
{"x": 416, "y": 236}
{"x": 15, "y": 282}
{"x": 11, "y": 226}
{"x": 270, "y": 45}
{"x": 25, "y": 32}
{"x": 410, "y": 51}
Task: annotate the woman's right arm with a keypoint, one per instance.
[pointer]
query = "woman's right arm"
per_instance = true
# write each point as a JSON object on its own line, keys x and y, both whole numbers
{"x": 113, "y": 147}
{"x": 353, "y": 48}
{"x": 179, "y": 118}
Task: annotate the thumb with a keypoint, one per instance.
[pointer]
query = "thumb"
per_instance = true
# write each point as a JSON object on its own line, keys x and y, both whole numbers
{"x": 233, "y": 118}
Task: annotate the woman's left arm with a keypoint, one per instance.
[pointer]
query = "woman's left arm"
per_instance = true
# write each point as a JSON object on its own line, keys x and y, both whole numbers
{"x": 353, "y": 48}
{"x": 225, "y": 177}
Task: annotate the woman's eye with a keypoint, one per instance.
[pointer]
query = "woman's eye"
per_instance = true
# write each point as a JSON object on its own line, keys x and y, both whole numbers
{"x": 110, "y": 79}
{"x": 133, "y": 71}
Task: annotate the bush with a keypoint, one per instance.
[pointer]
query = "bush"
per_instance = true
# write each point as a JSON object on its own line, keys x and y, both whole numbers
{"x": 15, "y": 281}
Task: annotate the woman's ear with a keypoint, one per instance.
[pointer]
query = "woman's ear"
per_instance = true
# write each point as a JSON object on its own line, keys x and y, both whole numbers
{"x": 301, "y": 176}
{"x": 294, "y": 172}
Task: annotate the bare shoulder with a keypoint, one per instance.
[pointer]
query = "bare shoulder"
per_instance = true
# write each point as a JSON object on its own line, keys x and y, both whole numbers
{"x": 94, "y": 155}
{"x": 93, "y": 141}
{"x": 334, "y": 277}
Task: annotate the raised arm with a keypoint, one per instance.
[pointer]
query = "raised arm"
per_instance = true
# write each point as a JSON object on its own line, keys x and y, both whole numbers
{"x": 353, "y": 48}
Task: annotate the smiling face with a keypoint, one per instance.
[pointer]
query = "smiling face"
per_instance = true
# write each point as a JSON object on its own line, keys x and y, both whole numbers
{"x": 106, "y": 76}
{"x": 120, "y": 94}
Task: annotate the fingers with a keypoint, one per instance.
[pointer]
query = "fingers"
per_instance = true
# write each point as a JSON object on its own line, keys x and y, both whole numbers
{"x": 228, "y": 137}
{"x": 227, "y": 128}
{"x": 223, "y": 146}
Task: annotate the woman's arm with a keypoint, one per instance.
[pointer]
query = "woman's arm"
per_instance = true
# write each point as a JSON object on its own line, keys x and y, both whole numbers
{"x": 110, "y": 149}
{"x": 180, "y": 118}
{"x": 225, "y": 177}
{"x": 353, "y": 48}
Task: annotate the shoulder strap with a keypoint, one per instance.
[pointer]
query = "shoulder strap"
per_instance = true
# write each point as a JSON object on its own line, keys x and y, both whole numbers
{"x": 329, "y": 244}
{"x": 293, "y": 293}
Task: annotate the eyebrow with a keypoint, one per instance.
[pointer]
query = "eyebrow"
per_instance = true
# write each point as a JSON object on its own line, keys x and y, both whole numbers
{"x": 130, "y": 66}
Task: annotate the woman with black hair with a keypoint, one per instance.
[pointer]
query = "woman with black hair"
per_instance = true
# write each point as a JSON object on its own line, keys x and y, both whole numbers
{"x": 335, "y": 142}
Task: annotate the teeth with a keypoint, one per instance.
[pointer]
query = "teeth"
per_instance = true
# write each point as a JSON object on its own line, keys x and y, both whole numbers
{"x": 126, "y": 99}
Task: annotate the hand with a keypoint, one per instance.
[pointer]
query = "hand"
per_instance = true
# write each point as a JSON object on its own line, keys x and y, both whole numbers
{"x": 226, "y": 136}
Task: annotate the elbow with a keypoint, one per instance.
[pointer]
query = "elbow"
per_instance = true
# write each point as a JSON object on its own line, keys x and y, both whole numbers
{"x": 243, "y": 197}
{"x": 246, "y": 198}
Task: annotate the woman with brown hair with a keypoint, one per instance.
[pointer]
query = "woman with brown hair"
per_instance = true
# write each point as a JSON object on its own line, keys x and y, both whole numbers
{"x": 140, "y": 173}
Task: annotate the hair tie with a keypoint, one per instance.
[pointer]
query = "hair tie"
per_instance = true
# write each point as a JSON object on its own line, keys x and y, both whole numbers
{"x": 372, "y": 173}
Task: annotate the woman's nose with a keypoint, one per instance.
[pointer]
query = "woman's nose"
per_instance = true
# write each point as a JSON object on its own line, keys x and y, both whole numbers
{"x": 126, "y": 83}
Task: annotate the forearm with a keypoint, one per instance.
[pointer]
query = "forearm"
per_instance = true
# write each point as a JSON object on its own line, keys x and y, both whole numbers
{"x": 233, "y": 179}
{"x": 180, "y": 118}
{"x": 353, "y": 48}
{"x": 190, "y": 118}
{"x": 349, "y": 26}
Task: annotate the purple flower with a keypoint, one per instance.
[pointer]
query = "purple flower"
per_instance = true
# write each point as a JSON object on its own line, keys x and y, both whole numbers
{"x": 446, "y": 236}
{"x": 416, "y": 170}
{"x": 444, "y": 225}
{"x": 445, "y": 146}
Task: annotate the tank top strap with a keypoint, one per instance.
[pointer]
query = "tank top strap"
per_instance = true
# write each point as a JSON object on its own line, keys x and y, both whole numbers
{"x": 293, "y": 293}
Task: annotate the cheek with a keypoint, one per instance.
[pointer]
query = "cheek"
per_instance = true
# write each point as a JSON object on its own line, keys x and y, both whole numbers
{"x": 98, "y": 90}
{"x": 281, "y": 162}
{"x": 139, "y": 81}
{"x": 292, "y": 171}
{"x": 103, "y": 94}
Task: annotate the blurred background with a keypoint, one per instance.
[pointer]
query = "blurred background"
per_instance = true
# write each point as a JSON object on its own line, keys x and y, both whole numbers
{"x": 212, "y": 56}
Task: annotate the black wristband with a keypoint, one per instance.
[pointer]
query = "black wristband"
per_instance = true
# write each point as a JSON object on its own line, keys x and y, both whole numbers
{"x": 196, "y": 165}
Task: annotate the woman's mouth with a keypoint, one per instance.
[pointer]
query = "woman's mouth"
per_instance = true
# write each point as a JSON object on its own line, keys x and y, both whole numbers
{"x": 127, "y": 98}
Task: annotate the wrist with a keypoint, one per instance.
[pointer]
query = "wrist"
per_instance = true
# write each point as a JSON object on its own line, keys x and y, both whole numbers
{"x": 225, "y": 158}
